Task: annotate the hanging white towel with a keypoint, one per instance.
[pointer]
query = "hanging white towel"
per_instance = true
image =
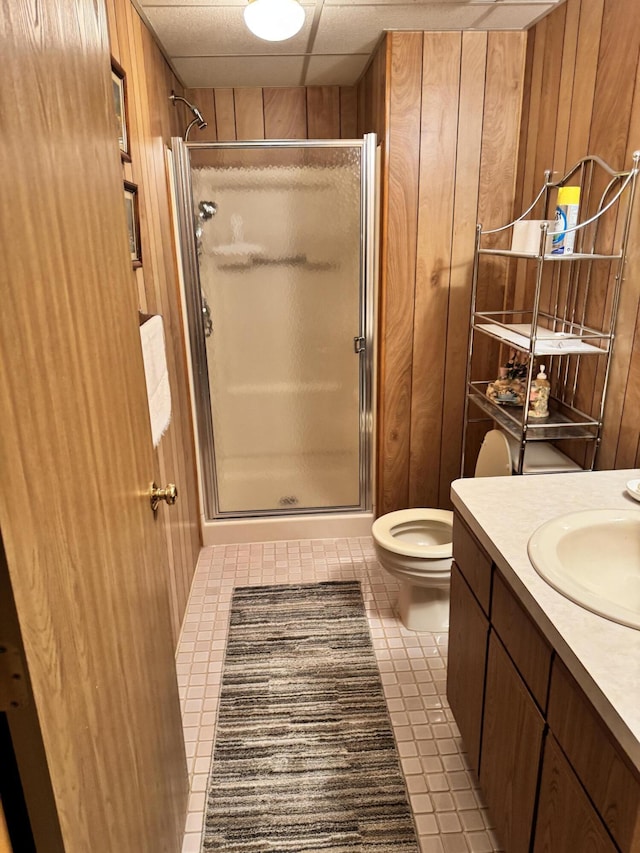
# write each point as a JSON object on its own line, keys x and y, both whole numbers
{"x": 156, "y": 375}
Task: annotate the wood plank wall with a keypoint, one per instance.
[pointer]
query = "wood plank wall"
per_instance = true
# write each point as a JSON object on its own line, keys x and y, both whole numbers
{"x": 450, "y": 120}
{"x": 582, "y": 68}
{"x": 153, "y": 120}
{"x": 314, "y": 112}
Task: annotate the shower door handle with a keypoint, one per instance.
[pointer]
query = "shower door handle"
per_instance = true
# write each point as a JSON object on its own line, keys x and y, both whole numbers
{"x": 359, "y": 345}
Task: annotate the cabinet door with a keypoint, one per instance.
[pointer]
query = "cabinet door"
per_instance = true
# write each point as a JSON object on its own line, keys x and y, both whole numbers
{"x": 511, "y": 747}
{"x": 567, "y": 821}
{"x": 468, "y": 637}
{"x": 612, "y": 784}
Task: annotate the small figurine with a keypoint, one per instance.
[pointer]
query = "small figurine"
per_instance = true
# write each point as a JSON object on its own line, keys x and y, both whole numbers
{"x": 510, "y": 387}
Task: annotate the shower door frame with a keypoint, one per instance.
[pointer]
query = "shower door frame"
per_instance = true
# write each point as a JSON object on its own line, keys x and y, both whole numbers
{"x": 195, "y": 320}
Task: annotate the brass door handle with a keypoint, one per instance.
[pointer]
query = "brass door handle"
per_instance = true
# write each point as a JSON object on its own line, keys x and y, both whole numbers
{"x": 168, "y": 494}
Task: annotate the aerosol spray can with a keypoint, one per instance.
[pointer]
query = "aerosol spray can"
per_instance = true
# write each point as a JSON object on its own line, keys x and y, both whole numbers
{"x": 566, "y": 217}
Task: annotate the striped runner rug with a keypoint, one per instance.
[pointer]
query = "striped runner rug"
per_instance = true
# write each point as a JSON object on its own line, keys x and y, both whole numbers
{"x": 305, "y": 758}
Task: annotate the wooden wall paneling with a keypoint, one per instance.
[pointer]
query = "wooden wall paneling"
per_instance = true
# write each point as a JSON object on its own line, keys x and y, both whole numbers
{"x": 550, "y": 95}
{"x": 348, "y": 112}
{"x": 465, "y": 214}
{"x": 542, "y": 142}
{"x": 183, "y": 525}
{"x": 167, "y": 453}
{"x": 323, "y": 112}
{"x": 154, "y": 119}
{"x": 530, "y": 182}
{"x": 623, "y": 400}
{"x": 113, "y": 31}
{"x": 506, "y": 54}
{"x": 516, "y": 284}
{"x": 613, "y": 99}
{"x": 204, "y": 100}
{"x": 569, "y": 50}
{"x": 621, "y": 439}
{"x": 285, "y": 113}
{"x": 360, "y": 112}
{"x": 584, "y": 80}
{"x": 544, "y": 149}
{"x": 373, "y": 100}
{"x": 249, "y": 113}
{"x": 398, "y": 260}
{"x": 225, "y": 115}
{"x": 601, "y": 57}
{"x": 438, "y": 148}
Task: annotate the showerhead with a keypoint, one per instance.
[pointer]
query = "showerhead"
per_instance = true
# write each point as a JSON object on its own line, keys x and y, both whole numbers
{"x": 197, "y": 115}
{"x": 207, "y": 209}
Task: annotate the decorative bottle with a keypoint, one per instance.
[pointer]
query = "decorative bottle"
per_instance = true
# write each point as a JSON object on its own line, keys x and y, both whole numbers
{"x": 539, "y": 396}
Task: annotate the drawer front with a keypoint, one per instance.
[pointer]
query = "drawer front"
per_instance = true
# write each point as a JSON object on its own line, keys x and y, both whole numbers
{"x": 473, "y": 561}
{"x": 567, "y": 821}
{"x": 528, "y": 649}
{"x": 610, "y": 782}
{"x": 468, "y": 638}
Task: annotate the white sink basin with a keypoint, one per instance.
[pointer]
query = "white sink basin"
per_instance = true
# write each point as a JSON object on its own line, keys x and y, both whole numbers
{"x": 593, "y": 557}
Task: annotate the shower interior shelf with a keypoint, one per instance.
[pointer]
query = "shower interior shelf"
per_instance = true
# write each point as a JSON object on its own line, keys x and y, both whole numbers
{"x": 568, "y": 315}
{"x": 249, "y": 261}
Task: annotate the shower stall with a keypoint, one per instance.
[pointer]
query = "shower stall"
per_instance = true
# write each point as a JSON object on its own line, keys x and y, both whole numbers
{"x": 278, "y": 256}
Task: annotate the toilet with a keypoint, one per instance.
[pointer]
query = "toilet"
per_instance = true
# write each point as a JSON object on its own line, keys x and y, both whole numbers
{"x": 415, "y": 545}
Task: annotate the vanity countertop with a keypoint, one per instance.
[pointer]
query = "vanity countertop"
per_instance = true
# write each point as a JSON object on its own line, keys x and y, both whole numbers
{"x": 603, "y": 656}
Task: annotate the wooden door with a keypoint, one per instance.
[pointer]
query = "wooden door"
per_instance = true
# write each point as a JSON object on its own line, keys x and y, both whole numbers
{"x": 84, "y": 552}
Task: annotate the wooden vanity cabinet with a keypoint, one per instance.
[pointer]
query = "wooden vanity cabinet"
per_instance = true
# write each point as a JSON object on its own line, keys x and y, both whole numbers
{"x": 554, "y": 778}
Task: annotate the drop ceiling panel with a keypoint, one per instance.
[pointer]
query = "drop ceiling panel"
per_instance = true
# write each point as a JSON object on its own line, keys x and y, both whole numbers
{"x": 339, "y": 70}
{"x": 209, "y": 45}
{"x": 216, "y": 31}
{"x": 366, "y": 24}
{"x": 514, "y": 16}
{"x": 223, "y": 71}
{"x": 181, "y": 4}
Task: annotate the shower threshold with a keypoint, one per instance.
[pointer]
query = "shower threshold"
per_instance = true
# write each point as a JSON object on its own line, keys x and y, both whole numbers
{"x": 326, "y": 526}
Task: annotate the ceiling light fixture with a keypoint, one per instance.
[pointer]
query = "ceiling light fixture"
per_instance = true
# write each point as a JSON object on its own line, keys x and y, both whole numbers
{"x": 274, "y": 20}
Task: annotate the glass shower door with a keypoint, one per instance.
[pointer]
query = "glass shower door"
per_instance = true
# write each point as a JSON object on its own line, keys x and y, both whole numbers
{"x": 280, "y": 254}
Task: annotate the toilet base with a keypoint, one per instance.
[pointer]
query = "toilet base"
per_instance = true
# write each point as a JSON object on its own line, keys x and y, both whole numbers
{"x": 423, "y": 608}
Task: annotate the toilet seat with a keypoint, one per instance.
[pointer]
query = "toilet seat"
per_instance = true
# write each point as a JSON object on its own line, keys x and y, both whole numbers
{"x": 424, "y": 533}
{"x": 494, "y": 458}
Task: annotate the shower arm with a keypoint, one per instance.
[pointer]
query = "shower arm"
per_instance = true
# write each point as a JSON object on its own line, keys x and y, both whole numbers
{"x": 197, "y": 115}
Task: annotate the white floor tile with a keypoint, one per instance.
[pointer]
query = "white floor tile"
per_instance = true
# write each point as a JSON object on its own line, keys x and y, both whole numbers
{"x": 448, "y": 809}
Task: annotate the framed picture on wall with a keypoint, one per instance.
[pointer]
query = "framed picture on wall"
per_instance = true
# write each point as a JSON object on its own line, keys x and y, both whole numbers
{"x": 119, "y": 89}
{"x": 133, "y": 223}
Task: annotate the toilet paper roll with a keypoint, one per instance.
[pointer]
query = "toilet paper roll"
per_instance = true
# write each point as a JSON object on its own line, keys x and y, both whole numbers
{"x": 526, "y": 236}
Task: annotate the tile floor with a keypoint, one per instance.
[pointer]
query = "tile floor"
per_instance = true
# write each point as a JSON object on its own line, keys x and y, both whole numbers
{"x": 449, "y": 813}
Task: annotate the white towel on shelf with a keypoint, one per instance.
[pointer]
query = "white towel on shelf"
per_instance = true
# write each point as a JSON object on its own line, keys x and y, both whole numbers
{"x": 157, "y": 376}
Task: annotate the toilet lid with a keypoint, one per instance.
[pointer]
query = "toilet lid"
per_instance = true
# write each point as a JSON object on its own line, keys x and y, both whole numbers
{"x": 494, "y": 459}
